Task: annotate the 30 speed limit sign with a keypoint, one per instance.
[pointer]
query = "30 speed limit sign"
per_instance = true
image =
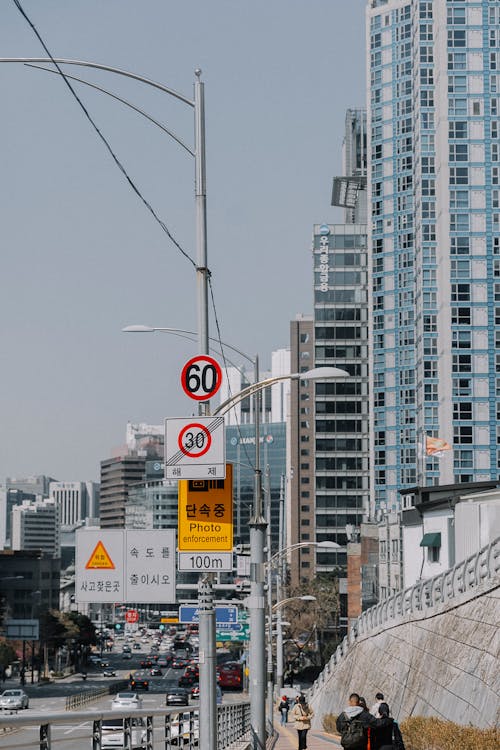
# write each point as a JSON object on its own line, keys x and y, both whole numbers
{"x": 195, "y": 448}
{"x": 201, "y": 377}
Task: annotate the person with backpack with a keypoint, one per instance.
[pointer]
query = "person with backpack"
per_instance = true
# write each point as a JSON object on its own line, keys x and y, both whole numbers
{"x": 353, "y": 725}
{"x": 283, "y": 707}
{"x": 374, "y": 710}
{"x": 386, "y": 734}
{"x": 302, "y": 714}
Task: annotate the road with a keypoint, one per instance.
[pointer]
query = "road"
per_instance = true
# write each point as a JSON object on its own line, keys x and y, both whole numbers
{"x": 51, "y": 698}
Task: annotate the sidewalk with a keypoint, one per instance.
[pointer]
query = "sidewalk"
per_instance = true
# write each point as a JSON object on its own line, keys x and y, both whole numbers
{"x": 316, "y": 739}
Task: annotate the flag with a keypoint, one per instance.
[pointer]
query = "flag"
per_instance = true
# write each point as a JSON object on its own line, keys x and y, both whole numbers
{"x": 435, "y": 446}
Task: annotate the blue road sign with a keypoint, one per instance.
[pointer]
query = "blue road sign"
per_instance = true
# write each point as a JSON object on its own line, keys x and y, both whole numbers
{"x": 223, "y": 615}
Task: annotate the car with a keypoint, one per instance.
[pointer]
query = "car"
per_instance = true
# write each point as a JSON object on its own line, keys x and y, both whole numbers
{"x": 139, "y": 682}
{"x": 178, "y": 663}
{"x": 155, "y": 672}
{"x": 126, "y": 700}
{"x": 113, "y": 733}
{"x": 127, "y": 655}
{"x": 136, "y": 646}
{"x": 14, "y": 699}
{"x": 103, "y": 663}
{"x": 125, "y": 649}
{"x": 162, "y": 662}
{"x": 109, "y": 673}
{"x": 177, "y": 697}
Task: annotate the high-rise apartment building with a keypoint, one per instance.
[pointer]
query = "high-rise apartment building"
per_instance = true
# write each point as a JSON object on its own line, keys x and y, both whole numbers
{"x": 433, "y": 191}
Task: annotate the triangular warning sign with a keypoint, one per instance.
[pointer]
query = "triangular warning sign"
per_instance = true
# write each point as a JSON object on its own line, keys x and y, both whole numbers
{"x": 99, "y": 559}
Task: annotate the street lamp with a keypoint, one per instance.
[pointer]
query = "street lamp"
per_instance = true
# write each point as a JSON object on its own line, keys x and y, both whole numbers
{"x": 208, "y": 706}
{"x": 258, "y": 525}
{"x": 276, "y": 559}
{"x": 279, "y": 647}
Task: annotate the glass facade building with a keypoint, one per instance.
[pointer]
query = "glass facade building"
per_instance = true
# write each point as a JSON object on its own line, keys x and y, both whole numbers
{"x": 341, "y": 424}
{"x": 240, "y": 451}
{"x": 434, "y": 236}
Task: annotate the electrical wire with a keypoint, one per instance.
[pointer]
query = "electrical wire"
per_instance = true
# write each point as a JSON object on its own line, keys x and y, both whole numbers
{"x": 103, "y": 138}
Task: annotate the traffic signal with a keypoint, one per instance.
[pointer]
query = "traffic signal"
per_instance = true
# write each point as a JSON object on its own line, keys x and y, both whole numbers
{"x": 161, "y": 627}
{"x": 118, "y": 626}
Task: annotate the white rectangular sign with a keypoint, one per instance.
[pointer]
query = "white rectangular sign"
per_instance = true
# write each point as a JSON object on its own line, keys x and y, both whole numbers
{"x": 125, "y": 565}
{"x": 198, "y": 561}
{"x": 195, "y": 448}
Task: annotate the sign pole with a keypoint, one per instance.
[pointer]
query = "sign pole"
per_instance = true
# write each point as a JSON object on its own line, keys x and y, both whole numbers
{"x": 208, "y": 704}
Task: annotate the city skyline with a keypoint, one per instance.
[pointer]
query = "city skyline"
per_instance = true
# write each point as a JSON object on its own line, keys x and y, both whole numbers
{"x": 84, "y": 257}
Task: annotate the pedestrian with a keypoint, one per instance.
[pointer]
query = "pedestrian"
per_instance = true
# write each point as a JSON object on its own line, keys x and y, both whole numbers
{"x": 283, "y": 707}
{"x": 302, "y": 714}
{"x": 362, "y": 703}
{"x": 353, "y": 725}
{"x": 374, "y": 710}
{"x": 386, "y": 734}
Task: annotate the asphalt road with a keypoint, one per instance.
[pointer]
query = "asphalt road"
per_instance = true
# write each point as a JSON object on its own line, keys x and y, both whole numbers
{"x": 51, "y": 698}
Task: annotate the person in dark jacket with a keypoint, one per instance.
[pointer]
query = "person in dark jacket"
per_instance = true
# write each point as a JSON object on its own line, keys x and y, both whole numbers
{"x": 355, "y": 711}
{"x": 385, "y": 734}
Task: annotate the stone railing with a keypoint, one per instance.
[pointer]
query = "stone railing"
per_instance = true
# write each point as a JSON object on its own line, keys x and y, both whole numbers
{"x": 423, "y": 599}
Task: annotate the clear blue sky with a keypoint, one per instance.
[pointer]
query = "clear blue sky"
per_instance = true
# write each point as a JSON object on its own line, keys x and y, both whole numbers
{"x": 81, "y": 257}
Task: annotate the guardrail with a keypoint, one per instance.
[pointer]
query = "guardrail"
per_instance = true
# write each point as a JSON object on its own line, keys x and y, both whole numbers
{"x": 87, "y": 696}
{"x": 168, "y": 728}
{"x": 420, "y": 600}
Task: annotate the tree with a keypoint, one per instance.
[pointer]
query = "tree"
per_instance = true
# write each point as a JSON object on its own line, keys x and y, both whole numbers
{"x": 310, "y": 621}
{"x": 7, "y": 654}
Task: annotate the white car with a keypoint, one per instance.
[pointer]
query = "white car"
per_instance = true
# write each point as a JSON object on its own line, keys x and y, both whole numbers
{"x": 14, "y": 699}
{"x": 113, "y": 734}
{"x": 126, "y": 700}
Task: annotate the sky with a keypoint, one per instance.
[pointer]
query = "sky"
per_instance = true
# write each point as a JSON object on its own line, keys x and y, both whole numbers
{"x": 81, "y": 255}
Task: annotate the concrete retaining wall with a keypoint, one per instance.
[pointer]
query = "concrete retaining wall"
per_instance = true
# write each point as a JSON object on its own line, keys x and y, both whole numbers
{"x": 442, "y": 663}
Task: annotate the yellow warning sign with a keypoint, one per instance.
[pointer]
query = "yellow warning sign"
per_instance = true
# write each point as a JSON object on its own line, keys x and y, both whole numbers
{"x": 205, "y": 514}
{"x": 99, "y": 559}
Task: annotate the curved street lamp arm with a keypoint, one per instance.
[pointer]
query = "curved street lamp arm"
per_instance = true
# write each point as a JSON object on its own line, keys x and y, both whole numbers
{"x": 99, "y": 66}
{"x": 251, "y": 389}
{"x": 250, "y": 359}
{"x": 119, "y": 99}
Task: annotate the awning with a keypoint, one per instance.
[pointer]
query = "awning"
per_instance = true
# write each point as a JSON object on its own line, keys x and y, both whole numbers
{"x": 431, "y": 540}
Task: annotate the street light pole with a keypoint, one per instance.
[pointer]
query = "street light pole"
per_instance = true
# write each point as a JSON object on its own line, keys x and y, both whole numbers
{"x": 256, "y": 601}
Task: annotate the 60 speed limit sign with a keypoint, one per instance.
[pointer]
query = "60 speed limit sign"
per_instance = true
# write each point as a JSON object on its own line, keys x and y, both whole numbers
{"x": 201, "y": 377}
{"x": 195, "y": 448}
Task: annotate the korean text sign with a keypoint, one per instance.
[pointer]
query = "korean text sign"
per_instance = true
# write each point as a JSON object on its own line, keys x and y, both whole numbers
{"x": 206, "y": 514}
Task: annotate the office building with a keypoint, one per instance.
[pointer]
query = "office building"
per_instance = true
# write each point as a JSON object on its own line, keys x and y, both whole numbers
{"x": 434, "y": 238}
{"x": 300, "y": 495}
{"x": 76, "y": 501}
{"x": 35, "y": 526}
{"x": 341, "y": 425}
{"x": 273, "y": 400}
{"x": 240, "y": 451}
{"x": 118, "y": 475}
{"x": 29, "y": 584}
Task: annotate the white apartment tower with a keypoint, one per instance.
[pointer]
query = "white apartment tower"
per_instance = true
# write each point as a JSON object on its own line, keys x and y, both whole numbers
{"x": 434, "y": 237}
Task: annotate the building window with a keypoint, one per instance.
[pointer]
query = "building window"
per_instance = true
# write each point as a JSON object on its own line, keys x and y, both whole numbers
{"x": 433, "y": 554}
{"x": 462, "y": 434}
{"x": 462, "y": 411}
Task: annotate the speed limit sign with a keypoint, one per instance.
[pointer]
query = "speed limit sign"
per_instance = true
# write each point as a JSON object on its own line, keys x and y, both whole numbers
{"x": 195, "y": 448}
{"x": 201, "y": 377}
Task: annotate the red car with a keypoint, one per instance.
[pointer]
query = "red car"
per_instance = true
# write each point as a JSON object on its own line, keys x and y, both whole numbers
{"x": 230, "y": 675}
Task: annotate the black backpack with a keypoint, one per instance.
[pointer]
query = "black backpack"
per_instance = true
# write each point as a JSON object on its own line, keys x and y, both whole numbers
{"x": 353, "y": 737}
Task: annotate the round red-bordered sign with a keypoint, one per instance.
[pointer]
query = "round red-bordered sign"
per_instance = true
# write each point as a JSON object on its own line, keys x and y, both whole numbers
{"x": 201, "y": 377}
{"x": 131, "y": 616}
{"x": 189, "y": 440}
